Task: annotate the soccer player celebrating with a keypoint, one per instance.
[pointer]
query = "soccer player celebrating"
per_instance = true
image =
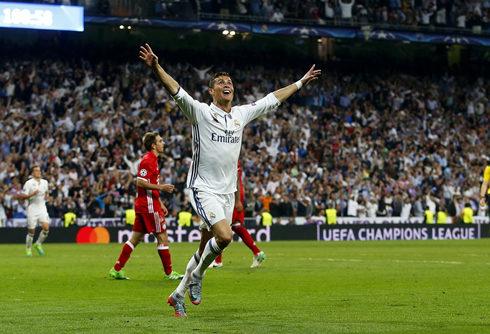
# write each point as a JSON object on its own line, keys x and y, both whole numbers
{"x": 217, "y": 136}
{"x": 150, "y": 211}
{"x": 238, "y": 228}
{"x": 35, "y": 190}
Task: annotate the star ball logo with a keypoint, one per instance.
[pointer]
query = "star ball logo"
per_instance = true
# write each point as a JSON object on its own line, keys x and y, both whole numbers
{"x": 143, "y": 172}
{"x": 90, "y": 235}
{"x": 304, "y": 31}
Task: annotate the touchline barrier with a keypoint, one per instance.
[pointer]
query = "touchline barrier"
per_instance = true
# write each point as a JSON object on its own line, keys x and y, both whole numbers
{"x": 250, "y": 222}
{"x": 321, "y": 233}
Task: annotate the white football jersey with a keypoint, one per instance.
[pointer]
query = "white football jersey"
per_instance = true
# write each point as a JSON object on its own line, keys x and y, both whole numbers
{"x": 217, "y": 139}
{"x": 37, "y": 202}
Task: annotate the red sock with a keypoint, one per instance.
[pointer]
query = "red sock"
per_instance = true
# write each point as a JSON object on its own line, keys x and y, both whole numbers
{"x": 165, "y": 257}
{"x": 124, "y": 256}
{"x": 246, "y": 237}
{"x": 218, "y": 259}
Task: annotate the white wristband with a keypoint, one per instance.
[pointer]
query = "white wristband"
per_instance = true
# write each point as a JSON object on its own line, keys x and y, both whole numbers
{"x": 299, "y": 84}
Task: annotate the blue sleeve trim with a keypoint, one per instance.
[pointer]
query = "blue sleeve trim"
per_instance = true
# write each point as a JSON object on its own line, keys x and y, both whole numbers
{"x": 174, "y": 95}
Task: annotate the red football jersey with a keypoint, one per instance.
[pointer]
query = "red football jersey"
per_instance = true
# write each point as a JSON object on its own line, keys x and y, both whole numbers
{"x": 146, "y": 199}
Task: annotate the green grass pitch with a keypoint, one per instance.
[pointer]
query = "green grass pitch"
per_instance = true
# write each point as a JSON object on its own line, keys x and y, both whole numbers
{"x": 302, "y": 287}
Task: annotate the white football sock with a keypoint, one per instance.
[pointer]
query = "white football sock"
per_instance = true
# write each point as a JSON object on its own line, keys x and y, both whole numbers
{"x": 184, "y": 284}
{"x": 211, "y": 252}
{"x": 42, "y": 236}
{"x": 29, "y": 239}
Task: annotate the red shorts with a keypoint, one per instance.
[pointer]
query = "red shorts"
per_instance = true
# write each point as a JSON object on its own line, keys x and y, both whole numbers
{"x": 150, "y": 223}
{"x": 238, "y": 217}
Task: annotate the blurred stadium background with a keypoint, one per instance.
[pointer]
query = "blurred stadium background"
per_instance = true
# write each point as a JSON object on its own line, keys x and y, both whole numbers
{"x": 396, "y": 123}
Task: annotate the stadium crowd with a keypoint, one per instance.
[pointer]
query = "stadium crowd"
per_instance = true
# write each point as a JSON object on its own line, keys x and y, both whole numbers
{"x": 367, "y": 144}
{"x": 408, "y": 13}
{"x": 411, "y": 14}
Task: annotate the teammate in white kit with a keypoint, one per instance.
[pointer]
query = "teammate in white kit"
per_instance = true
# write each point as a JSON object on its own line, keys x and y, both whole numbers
{"x": 35, "y": 191}
{"x": 217, "y": 136}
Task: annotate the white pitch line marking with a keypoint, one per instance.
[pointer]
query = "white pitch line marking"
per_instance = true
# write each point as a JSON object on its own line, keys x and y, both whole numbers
{"x": 398, "y": 261}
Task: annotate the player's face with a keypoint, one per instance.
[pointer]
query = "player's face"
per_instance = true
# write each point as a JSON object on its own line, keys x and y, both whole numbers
{"x": 36, "y": 172}
{"x": 223, "y": 89}
{"x": 159, "y": 144}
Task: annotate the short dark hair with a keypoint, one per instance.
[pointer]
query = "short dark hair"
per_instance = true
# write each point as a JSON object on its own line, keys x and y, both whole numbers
{"x": 216, "y": 75}
{"x": 149, "y": 139}
{"x": 35, "y": 166}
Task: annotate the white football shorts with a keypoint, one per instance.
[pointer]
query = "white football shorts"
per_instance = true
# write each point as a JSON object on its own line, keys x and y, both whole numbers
{"x": 212, "y": 208}
{"x": 38, "y": 217}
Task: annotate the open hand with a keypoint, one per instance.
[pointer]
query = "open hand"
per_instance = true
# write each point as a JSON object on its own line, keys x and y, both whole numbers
{"x": 311, "y": 75}
{"x": 147, "y": 55}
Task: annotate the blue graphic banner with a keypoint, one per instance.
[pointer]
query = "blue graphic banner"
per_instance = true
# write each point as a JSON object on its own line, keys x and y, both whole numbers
{"x": 422, "y": 37}
{"x": 313, "y": 31}
{"x": 305, "y": 30}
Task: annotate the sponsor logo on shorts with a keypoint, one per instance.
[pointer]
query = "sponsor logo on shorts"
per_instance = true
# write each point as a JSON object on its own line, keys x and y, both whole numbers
{"x": 212, "y": 216}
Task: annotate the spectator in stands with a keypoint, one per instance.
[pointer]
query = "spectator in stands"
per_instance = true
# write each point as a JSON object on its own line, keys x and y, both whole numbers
{"x": 255, "y": 5}
{"x": 329, "y": 12}
{"x": 132, "y": 163}
{"x": 467, "y": 214}
{"x": 381, "y": 212}
{"x": 278, "y": 16}
{"x": 346, "y": 10}
{"x": 361, "y": 208}
{"x": 275, "y": 206}
{"x": 267, "y": 9}
{"x": 397, "y": 205}
{"x": 371, "y": 207}
{"x": 69, "y": 206}
{"x": 407, "y": 209}
{"x": 428, "y": 215}
{"x": 352, "y": 206}
{"x": 286, "y": 207}
{"x": 442, "y": 212}
{"x": 266, "y": 200}
{"x": 417, "y": 210}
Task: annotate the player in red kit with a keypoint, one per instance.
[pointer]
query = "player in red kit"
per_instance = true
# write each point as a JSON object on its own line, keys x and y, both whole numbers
{"x": 238, "y": 228}
{"x": 150, "y": 211}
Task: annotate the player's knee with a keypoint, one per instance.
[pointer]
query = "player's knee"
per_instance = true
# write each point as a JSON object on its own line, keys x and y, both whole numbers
{"x": 228, "y": 239}
{"x": 224, "y": 239}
